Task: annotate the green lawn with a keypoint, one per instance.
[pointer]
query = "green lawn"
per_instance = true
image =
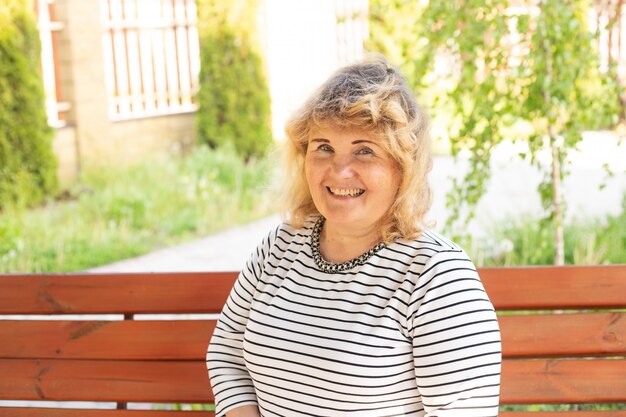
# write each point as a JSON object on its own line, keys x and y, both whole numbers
{"x": 117, "y": 213}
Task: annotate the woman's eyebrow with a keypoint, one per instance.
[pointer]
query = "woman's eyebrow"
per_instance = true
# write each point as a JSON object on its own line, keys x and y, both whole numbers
{"x": 356, "y": 142}
{"x": 320, "y": 140}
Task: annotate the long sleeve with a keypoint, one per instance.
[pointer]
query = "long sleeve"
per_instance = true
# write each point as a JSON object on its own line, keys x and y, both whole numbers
{"x": 230, "y": 380}
{"x": 456, "y": 339}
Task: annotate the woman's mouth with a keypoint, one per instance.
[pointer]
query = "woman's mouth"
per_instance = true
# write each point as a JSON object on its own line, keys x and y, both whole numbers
{"x": 346, "y": 192}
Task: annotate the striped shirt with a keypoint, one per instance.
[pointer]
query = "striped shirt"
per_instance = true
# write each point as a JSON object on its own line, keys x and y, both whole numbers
{"x": 411, "y": 332}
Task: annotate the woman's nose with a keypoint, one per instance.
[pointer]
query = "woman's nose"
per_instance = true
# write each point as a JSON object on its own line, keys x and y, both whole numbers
{"x": 343, "y": 166}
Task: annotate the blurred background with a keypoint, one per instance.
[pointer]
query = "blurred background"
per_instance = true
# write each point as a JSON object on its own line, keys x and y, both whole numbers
{"x": 130, "y": 126}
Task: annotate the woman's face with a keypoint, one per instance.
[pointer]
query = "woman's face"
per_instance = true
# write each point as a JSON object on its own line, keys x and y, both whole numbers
{"x": 352, "y": 179}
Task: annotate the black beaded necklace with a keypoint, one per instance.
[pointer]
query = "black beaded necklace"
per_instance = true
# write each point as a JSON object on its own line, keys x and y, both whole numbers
{"x": 331, "y": 267}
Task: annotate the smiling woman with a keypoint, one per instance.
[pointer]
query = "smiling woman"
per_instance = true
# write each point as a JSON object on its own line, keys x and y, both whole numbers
{"x": 352, "y": 307}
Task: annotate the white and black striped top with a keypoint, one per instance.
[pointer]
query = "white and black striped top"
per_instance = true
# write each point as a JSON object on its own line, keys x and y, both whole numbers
{"x": 409, "y": 333}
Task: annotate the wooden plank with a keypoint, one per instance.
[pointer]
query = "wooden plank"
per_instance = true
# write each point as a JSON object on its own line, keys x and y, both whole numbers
{"x": 589, "y": 334}
{"x": 552, "y": 287}
{"x": 542, "y": 335}
{"x": 121, "y": 340}
{"x": 115, "y": 293}
{"x": 563, "y": 381}
{"x": 523, "y": 381}
{"x": 68, "y": 412}
{"x": 118, "y": 381}
{"x": 556, "y": 287}
{"x": 65, "y": 412}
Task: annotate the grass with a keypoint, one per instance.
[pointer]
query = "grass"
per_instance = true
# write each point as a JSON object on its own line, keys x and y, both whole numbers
{"x": 563, "y": 407}
{"x": 528, "y": 241}
{"x": 118, "y": 213}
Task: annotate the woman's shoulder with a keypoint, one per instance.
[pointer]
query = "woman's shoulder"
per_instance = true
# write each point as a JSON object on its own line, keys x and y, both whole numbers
{"x": 287, "y": 233}
{"x": 432, "y": 259}
{"x": 428, "y": 242}
{"x": 428, "y": 248}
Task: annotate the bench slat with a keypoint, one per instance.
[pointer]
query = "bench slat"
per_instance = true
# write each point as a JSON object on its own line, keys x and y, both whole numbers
{"x": 563, "y": 381}
{"x": 117, "y": 381}
{"x": 543, "y": 335}
{"x": 524, "y": 381}
{"x": 589, "y": 334}
{"x": 552, "y": 288}
{"x": 120, "y": 293}
{"x": 555, "y": 287}
{"x": 121, "y": 340}
{"x": 67, "y": 412}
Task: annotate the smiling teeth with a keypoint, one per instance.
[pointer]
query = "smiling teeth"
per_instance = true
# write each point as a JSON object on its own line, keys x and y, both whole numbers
{"x": 347, "y": 192}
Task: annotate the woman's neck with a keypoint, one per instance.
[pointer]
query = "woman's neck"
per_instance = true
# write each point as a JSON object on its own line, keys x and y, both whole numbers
{"x": 339, "y": 244}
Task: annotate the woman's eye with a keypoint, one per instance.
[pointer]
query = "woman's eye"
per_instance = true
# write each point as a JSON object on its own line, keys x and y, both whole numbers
{"x": 325, "y": 148}
{"x": 365, "y": 151}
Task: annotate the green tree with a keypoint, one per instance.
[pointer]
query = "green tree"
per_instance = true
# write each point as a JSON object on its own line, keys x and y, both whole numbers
{"x": 234, "y": 95}
{"x": 27, "y": 163}
{"x": 526, "y": 73}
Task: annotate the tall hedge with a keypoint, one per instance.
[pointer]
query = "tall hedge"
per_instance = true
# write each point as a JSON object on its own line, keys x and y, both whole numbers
{"x": 27, "y": 163}
{"x": 234, "y": 97}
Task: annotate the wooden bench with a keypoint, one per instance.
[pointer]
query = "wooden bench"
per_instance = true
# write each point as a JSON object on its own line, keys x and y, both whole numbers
{"x": 552, "y": 354}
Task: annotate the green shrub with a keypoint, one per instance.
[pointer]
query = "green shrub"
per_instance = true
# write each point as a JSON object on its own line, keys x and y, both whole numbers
{"x": 528, "y": 241}
{"x": 234, "y": 96}
{"x": 27, "y": 163}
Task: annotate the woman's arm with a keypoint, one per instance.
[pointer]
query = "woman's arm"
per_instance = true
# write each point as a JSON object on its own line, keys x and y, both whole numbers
{"x": 456, "y": 340}
{"x": 245, "y": 411}
{"x": 231, "y": 383}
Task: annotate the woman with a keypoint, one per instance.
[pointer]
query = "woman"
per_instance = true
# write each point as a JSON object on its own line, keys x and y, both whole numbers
{"x": 352, "y": 307}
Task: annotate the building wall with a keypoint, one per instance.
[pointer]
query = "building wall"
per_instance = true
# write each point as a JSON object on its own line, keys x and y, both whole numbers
{"x": 64, "y": 146}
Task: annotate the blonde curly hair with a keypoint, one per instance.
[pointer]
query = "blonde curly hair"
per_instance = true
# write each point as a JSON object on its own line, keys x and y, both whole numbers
{"x": 374, "y": 97}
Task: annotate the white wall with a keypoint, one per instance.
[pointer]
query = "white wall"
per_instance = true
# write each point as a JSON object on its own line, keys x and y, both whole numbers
{"x": 304, "y": 42}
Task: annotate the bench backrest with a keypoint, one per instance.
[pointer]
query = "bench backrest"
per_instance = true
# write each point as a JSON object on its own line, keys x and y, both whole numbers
{"x": 563, "y": 330}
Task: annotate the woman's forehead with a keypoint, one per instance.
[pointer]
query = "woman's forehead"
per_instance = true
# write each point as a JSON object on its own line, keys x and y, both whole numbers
{"x": 342, "y": 133}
